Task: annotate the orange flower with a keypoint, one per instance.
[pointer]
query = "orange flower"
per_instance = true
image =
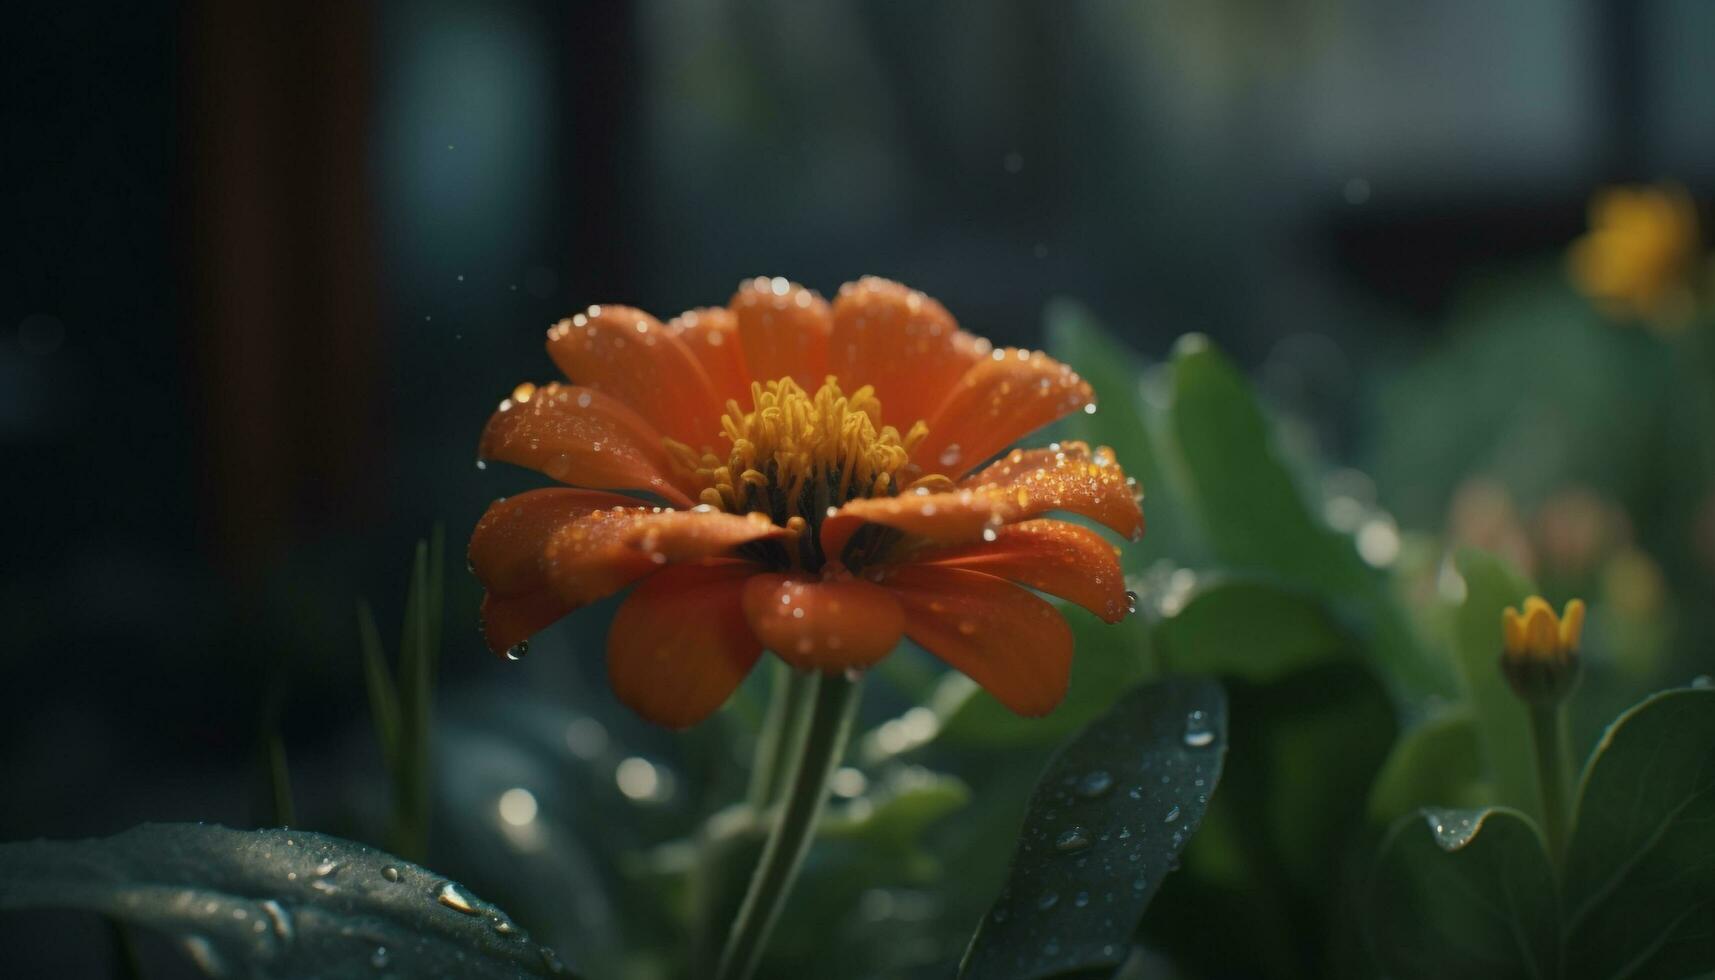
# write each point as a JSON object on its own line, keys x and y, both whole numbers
{"x": 823, "y": 473}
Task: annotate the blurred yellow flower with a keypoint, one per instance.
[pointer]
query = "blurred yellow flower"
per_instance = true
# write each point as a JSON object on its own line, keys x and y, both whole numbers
{"x": 1539, "y": 650}
{"x": 1638, "y": 259}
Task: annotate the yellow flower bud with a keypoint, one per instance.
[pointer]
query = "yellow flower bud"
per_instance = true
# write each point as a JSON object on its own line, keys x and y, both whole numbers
{"x": 1539, "y": 650}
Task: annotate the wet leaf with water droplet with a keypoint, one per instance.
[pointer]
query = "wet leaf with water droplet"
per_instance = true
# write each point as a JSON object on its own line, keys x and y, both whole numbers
{"x": 1081, "y": 843}
{"x": 214, "y": 887}
{"x": 1463, "y": 893}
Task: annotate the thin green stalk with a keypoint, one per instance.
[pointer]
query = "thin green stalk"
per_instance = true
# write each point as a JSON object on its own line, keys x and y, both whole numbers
{"x": 280, "y": 782}
{"x": 824, "y": 742}
{"x": 1553, "y": 768}
{"x": 789, "y": 696}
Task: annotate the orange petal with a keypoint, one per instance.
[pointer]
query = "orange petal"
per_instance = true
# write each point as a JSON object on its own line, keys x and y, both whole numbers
{"x": 510, "y": 620}
{"x": 711, "y": 333}
{"x": 580, "y": 436}
{"x": 823, "y": 625}
{"x": 601, "y": 552}
{"x": 1061, "y": 559}
{"x": 1007, "y": 640}
{"x": 1023, "y": 485}
{"x": 1001, "y": 399}
{"x": 785, "y": 331}
{"x": 679, "y": 644}
{"x": 628, "y": 354}
{"x": 901, "y": 342}
{"x": 506, "y": 547}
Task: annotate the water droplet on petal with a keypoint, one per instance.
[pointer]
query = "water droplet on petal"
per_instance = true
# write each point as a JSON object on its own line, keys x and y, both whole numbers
{"x": 518, "y": 651}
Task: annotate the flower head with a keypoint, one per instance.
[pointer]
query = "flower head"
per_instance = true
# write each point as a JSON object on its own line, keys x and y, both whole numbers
{"x": 1640, "y": 254}
{"x": 825, "y": 482}
{"x": 1539, "y": 650}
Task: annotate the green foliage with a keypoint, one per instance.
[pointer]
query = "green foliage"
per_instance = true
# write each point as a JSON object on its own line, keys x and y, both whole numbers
{"x": 1436, "y": 763}
{"x": 403, "y": 711}
{"x": 1255, "y": 630}
{"x": 1502, "y": 721}
{"x": 1465, "y": 893}
{"x": 1105, "y": 825}
{"x": 280, "y": 903}
{"x": 1640, "y": 878}
{"x": 1473, "y": 893}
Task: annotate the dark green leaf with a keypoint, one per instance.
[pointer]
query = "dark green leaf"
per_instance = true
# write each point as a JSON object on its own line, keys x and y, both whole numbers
{"x": 1640, "y": 874}
{"x": 1254, "y": 630}
{"x": 1503, "y": 723}
{"x": 1464, "y": 893}
{"x": 1437, "y": 763}
{"x": 1107, "y": 822}
{"x": 1272, "y": 860}
{"x": 275, "y": 903}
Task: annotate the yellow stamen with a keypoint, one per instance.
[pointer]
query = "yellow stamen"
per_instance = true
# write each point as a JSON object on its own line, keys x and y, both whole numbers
{"x": 797, "y": 453}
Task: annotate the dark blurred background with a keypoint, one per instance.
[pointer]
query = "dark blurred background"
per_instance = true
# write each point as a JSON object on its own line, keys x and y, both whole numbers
{"x": 269, "y": 267}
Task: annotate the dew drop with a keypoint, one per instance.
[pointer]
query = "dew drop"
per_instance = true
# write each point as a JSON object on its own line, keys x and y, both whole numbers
{"x": 1130, "y": 602}
{"x": 1198, "y": 734}
{"x": 1140, "y": 884}
{"x": 1047, "y": 901}
{"x": 518, "y": 651}
{"x": 279, "y": 918}
{"x": 379, "y": 959}
{"x": 1095, "y": 783}
{"x": 1081, "y": 899}
{"x": 1071, "y": 840}
{"x": 390, "y": 873}
{"x": 1172, "y": 815}
{"x": 450, "y": 896}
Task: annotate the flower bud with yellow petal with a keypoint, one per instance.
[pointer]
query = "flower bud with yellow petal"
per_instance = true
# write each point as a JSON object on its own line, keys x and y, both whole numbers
{"x": 1539, "y": 650}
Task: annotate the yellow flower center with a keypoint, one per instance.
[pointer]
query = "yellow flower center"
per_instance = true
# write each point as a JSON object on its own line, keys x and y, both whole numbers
{"x": 799, "y": 453}
{"x": 797, "y": 456}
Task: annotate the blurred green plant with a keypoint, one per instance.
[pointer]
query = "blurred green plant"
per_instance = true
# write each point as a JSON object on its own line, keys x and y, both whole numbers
{"x": 402, "y": 709}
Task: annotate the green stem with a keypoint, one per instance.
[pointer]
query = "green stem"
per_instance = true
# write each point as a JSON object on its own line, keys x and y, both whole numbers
{"x": 1548, "y": 732}
{"x": 782, "y": 726}
{"x": 825, "y": 733}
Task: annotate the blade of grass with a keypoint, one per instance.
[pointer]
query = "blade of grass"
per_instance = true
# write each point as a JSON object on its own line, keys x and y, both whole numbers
{"x": 280, "y": 782}
{"x": 411, "y": 800}
{"x": 383, "y": 697}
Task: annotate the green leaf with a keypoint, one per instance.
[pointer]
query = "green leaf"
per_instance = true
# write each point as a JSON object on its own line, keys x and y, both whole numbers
{"x": 1258, "y": 520}
{"x": 1503, "y": 723}
{"x": 275, "y": 903}
{"x": 378, "y": 679}
{"x": 1125, "y": 422}
{"x": 1272, "y": 859}
{"x": 1108, "y": 660}
{"x": 1437, "y": 763}
{"x": 892, "y": 816}
{"x": 1254, "y": 630}
{"x": 1464, "y": 893}
{"x": 1252, "y": 509}
{"x": 1640, "y": 873}
{"x": 419, "y": 652}
{"x": 1107, "y": 822}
